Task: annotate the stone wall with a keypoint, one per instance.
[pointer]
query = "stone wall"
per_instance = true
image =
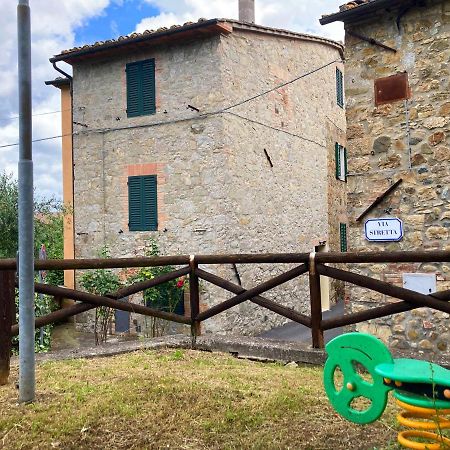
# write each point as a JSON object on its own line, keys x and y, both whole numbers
{"x": 379, "y": 148}
{"x": 294, "y": 192}
{"x": 217, "y": 192}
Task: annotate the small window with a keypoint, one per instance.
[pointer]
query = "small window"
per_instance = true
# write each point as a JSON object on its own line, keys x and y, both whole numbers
{"x": 341, "y": 162}
{"x": 339, "y": 88}
{"x": 343, "y": 236}
{"x": 141, "y": 88}
{"x": 142, "y": 203}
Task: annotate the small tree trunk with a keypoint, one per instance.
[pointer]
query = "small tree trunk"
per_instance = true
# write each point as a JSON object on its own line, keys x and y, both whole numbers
{"x": 7, "y": 315}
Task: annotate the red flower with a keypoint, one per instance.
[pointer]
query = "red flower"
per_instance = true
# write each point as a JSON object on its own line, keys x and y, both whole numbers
{"x": 180, "y": 283}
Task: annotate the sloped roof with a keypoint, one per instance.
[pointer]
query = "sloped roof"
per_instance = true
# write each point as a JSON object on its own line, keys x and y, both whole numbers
{"x": 357, "y": 9}
{"x": 163, "y": 35}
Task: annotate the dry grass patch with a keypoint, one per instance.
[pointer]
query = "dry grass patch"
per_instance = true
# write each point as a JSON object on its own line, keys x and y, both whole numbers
{"x": 180, "y": 400}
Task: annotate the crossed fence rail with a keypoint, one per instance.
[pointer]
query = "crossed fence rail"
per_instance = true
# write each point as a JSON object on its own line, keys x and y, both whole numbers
{"x": 315, "y": 264}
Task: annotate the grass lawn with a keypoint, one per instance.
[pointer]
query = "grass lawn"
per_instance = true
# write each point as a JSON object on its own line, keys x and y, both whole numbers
{"x": 180, "y": 399}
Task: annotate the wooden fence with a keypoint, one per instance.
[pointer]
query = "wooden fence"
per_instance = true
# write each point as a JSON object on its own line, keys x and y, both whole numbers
{"x": 315, "y": 264}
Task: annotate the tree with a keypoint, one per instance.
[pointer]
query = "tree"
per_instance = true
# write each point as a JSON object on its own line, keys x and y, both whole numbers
{"x": 101, "y": 282}
{"x": 48, "y": 225}
{"x": 9, "y": 228}
{"x": 48, "y": 230}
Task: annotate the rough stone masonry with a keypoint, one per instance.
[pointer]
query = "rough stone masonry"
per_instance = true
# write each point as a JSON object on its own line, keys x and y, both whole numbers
{"x": 410, "y": 141}
{"x": 217, "y": 190}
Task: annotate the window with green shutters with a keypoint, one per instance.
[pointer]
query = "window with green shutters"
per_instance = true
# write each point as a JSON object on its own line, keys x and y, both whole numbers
{"x": 339, "y": 88}
{"x": 341, "y": 162}
{"x": 142, "y": 203}
{"x": 141, "y": 95}
{"x": 343, "y": 236}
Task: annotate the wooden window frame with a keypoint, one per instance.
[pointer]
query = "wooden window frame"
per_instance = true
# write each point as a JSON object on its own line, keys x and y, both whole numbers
{"x": 341, "y": 162}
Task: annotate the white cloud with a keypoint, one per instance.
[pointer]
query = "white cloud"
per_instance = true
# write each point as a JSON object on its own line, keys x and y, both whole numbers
{"x": 53, "y": 23}
{"x": 162, "y": 20}
{"x": 295, "y": 15}
{"x": 53, "y": 29}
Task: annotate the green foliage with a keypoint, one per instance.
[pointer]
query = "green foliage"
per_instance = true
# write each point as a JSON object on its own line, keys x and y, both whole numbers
{"x": 101, "y": 282}
{"x": 48, "y": 225}
{"x": 165, "y": 296}
{"x": 43, "y": 304}
{"x": 48, "y": 231}
{"x": 9, "y": 194}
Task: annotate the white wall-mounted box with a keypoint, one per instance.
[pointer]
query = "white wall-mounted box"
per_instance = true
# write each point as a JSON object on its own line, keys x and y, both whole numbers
{"x": 425, "y": 283}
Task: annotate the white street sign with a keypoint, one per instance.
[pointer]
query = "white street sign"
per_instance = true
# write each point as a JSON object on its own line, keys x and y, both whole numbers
{"x": 384, "y": 230}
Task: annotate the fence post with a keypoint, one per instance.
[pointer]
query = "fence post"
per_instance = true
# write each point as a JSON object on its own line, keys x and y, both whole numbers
{"x": 316, "y": 303}
{"x": 7, "y": 317}
{"x": 194, "y": 294}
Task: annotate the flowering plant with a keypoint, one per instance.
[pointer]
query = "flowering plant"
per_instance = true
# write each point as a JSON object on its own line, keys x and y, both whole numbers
{"x": 183, "y": 283}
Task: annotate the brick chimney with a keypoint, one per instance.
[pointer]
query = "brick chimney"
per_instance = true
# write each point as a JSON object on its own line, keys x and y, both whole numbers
{"x": 247, "y": 11}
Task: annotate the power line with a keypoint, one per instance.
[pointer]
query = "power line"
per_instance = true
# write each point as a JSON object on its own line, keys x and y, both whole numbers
{"x": 281, "y": 85}
{"x": 155, "y": 124}
{"x": 197, "y": 117}
{"x": 276, "y": 129}
{"x": 39, "y": 140}
{"x": 6, "y": 119}
{"x": 107, "y": 130}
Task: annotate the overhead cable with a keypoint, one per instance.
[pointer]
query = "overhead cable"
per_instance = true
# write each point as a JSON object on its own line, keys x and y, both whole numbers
{"x": 198, "y": 116}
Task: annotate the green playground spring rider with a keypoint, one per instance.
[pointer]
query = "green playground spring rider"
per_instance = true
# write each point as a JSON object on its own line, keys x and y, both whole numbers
{"x": 421, "y": 389}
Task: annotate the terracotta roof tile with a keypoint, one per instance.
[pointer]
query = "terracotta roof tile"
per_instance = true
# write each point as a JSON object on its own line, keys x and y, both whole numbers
{"x": 129, "y": 37}
{"x": 357, "y": 8}
{"x": 353, "y": 4}
{"x": 99, "y": 46}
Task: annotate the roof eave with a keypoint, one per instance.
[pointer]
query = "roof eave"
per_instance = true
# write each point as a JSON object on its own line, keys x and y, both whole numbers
{"x": 353, "y": 14}
{"x": 116, "y": 45}
{"x": 58, "y": 82}
{"x": 287, "y": 34}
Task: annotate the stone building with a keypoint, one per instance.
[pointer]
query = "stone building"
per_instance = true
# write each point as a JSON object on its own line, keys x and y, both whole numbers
{"x": 211, "y": 137}
{"x": 398, "y": 138}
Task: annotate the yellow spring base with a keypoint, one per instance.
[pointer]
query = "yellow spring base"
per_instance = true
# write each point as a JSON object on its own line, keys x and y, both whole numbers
{"x": 431, "y": 419}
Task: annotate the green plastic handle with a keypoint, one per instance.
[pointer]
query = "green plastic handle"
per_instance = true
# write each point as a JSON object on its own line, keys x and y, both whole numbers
{"x": 344, "y": 352}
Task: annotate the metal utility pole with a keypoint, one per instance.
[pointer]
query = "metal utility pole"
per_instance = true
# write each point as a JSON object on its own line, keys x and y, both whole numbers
{"x": 26, "y": 210}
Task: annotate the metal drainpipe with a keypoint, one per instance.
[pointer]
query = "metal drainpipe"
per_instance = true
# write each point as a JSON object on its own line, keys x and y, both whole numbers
{"x": 70, "y": 78}
{"x": 408, "y": 134}
{"x": 27, "y": 362}
{"x": 62, "y": 71}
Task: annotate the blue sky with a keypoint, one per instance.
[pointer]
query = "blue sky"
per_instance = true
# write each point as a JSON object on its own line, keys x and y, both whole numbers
{"x": 63, "y": 24}
{"x": 117, "y": 19}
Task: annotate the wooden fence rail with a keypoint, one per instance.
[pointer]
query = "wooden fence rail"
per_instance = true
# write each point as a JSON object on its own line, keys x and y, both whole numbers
{"x": 258, "y": 300}
{"x": 266, "y": 258}
{"x": 313, "y": 263}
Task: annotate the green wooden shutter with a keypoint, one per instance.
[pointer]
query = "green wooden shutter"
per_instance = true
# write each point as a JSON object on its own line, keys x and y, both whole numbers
{"x": 142, "y": 203}
{"x": 343, "y": 236}
{"x": 141, "y": 96}
{"x": 133, "y": 90}
{"x": 148, "y": 87}
{"x": 339, "y": 88}
{"x": 149, "y": 203}
{"x": 345, "y": 164}
{"x": 134, "y": 204}
{"x": 337, "y": 156}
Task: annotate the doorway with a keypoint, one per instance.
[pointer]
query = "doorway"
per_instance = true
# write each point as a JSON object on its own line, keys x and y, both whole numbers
{"x": 324, "y": 281}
